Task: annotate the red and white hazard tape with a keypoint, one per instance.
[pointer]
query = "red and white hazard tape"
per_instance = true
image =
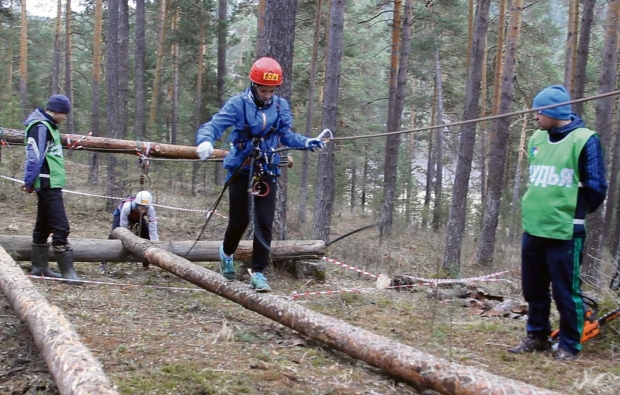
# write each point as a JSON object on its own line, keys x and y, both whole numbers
{"x": 120, "y": 198}
{"x": 486, "y": 277}
{"x": 335, "y": 262}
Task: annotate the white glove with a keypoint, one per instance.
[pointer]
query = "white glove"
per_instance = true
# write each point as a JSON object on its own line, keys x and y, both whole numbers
{"x": 315, "y": 144}
{"x": 204, "y": 150}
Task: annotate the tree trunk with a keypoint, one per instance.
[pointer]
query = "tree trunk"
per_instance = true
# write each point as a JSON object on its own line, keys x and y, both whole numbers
{"x": 325, "y": 185}
{"x": 497, "y": 156}
{"x": 199, "y": 76}
{"x": 612, "y": 204}
{"x": 412, "y": 179}
{"x": 93, "y": 159}
{"x": 353, "y": 186}
{"x": 430, "y": 172}
{"x": 583, "y": 50}
{"x": 516, "y": 190}
{"x": 68, "y": 68}
{"x": 483, "y": 128}
{"x": 23, "y": 60}
{"x": 279, "y": 40}
{"x": 436, "y": 222}
{"x": 458, "y": 205}
{"x": 113, "y": 187}
{"x": 56, "y": 57}
{"x": 140, "y": 68}
{"x": 175, "y": 81}
{"x": 118, "y": 146}
{"x": 123, "y": 69}
{"x": 390, "y": 165}
{"x": 604, "y": 117}
{"x": 97, "y": 250}
{"x": 75, "y": 369}
{"x": 571, "y": 45}
{"x": 399, "y": 104}
{"x": 161, "y": 45}
{"x": 400, "y": 361}
{"x": 303, "y": 195}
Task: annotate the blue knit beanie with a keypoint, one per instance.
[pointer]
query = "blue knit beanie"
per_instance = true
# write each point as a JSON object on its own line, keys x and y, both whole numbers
{"x": 553, "y": 95}
{"x": 59, "y": 104}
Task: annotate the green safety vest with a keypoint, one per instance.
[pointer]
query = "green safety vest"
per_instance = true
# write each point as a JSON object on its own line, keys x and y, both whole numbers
{"x": 550, "y": 202}
{"x": 53, "y": 155}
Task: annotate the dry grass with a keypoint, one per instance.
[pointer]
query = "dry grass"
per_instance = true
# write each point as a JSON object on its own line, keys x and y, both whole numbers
{"x": 162, "y": 341}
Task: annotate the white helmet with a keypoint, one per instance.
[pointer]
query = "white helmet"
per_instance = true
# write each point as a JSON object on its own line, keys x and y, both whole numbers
{"x": 144, "y": 198}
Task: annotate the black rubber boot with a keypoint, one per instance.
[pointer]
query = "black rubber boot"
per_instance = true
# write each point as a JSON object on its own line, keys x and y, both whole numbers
{"x": 39, "y": 256}
{"x": 64, "y": 257}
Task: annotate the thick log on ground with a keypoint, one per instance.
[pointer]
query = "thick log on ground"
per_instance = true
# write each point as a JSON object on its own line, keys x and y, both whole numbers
{"x": 74, "y": 368}
{"x": 399, "y": 360}
{"x": 104, "y": 144}
{"x": 97, "y": 250}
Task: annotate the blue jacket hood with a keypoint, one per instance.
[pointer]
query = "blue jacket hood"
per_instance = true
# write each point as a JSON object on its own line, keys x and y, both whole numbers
{"x": 39, "y": 115}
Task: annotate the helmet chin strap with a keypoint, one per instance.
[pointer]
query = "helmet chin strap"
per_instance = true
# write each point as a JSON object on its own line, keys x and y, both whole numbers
{"x": 257, "y": 100}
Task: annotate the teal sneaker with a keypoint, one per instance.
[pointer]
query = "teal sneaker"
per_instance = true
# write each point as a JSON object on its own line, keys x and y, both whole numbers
{"x": 259, "y": 282}
{"x": 227, "y": 266}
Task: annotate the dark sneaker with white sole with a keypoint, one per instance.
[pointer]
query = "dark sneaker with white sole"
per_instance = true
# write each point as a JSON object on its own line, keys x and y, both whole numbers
{"x": 530, "y": 344}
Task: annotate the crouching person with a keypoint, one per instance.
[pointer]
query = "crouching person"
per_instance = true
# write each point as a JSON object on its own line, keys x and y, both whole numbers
{"x": 137, "y": 214}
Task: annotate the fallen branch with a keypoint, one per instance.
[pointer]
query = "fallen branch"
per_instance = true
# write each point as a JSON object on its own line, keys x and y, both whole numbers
{"x": 97, "y": 250}
{"x": 74, "y": 368}
{"x": 399, "y": 360}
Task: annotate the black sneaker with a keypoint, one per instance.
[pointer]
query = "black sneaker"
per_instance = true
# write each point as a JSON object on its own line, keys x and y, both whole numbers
{"x": 564, "y": 355}
{"x": 530, "y": 345}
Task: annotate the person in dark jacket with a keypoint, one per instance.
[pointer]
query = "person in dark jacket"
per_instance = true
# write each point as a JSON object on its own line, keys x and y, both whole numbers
{"x": 567, "y": 182}
{"x": 45, "y": 174}
{"x": 261, "y": 121}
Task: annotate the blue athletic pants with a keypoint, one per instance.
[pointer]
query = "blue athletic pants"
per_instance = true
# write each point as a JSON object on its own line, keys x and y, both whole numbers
{"x": 557, "y": 263}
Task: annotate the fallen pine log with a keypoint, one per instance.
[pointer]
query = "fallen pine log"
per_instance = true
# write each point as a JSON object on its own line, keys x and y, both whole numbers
{"x": 97, "y": 250}
{"x": 399, "y": 360}
{"x": 104, "y": 144}
{"x": 75, "y": 369}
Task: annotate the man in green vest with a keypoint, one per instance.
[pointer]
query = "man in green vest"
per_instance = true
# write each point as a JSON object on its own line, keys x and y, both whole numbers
{"x": 567, "y": 182}
{"x": 45, "y": 174}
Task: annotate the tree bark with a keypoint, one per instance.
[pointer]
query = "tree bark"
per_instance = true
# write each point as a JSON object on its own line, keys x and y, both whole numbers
{"x": 95, "y": 117}
{"x": 325, "y": 185}
{"x": 161, "y": 45}
{"x": 140, "y": 68}
{"x": 458, "y": 205}
{"x": 583, "y": 50}
{"x": 110, "y": 145}
{"x": 278, "y": 43}
{"x": 604, "y": 117}
{"x": 437, "y": 208}
{"x": 398, "y": 360}
{"x": 516, "y": 190}
{"x": 113, "y": 187}
{"x": 499, "y": 145}
{"x": 390, "y": 165}
{"x": 56, "y": 56}
{"x": 97, "y": 250}
{"x": 75, "y": 369}
{"x": 68, "y": 66}
{"x": 303, "y": 194}
{"x": 23, "y": 60}
{"x": 571, "y": 46}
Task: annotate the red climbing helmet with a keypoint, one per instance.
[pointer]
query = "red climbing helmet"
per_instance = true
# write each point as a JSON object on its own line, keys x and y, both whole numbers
{"x": 266, "y": 71}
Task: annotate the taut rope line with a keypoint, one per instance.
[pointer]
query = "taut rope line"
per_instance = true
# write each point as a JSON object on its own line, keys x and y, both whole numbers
{"x": 489, "y": 118}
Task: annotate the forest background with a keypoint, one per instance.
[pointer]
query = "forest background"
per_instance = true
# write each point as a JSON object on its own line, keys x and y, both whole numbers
{"x": 446, "y": 198}
{"x": 157, "y": 70}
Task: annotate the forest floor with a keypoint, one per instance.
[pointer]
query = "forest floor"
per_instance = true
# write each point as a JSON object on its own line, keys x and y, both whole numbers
{"x": 170, "y": 341}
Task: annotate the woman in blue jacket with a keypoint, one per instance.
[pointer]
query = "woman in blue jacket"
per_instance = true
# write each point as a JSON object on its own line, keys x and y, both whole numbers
{"x": 261, "y": 121}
